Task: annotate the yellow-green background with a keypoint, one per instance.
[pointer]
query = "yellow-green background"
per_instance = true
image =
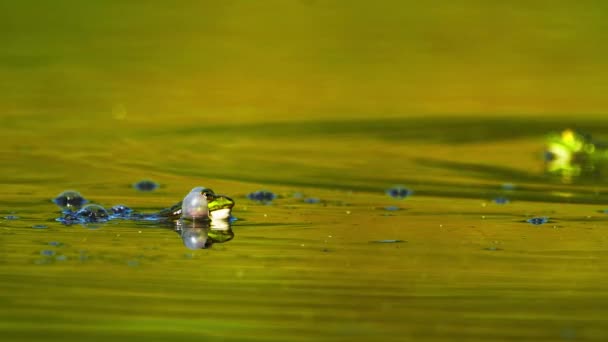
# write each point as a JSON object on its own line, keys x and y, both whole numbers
{"x": 300, "y": 59}
{"x": 338, "y": 100}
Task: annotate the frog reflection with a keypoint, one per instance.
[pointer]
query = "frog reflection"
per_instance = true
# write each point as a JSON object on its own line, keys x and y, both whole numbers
{"x": 573, "y": 155}
{"x": 203, "y": 234}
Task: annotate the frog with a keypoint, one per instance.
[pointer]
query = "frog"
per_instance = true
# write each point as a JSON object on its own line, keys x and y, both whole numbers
{"x": 200, "y": 204}
{"x": 573, "y": 155}
{"x": 202, "y": 218}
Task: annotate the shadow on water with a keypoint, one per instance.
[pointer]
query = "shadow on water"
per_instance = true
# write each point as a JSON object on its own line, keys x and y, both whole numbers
{"x": 436, "y": 130}
{"x": 531, "y": 186}
{"x": 545, "y": 189}
{"x": 484, "y": 171}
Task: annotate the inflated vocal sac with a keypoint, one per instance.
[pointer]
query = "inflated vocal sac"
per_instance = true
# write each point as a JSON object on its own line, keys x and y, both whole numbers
{"x": 195, "y": 205}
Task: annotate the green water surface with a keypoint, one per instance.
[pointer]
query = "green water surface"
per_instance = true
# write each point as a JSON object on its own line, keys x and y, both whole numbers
{"x": 332, "y": 100}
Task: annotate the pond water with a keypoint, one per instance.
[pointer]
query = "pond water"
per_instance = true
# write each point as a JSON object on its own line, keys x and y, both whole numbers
{"x": 387, "y": 162}
{"x": 446, "y": 254}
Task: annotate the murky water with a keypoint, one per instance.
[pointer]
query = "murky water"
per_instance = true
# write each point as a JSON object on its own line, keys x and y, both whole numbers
{"x": 383, "y": 219}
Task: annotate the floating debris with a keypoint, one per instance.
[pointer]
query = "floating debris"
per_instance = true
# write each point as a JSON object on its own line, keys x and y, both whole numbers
{"x": 133, "y": 263}
{"x": 501, "y": 200}
{"x": 146, "y": 185}
{"x": 312, "y": 200}
{"x": 392, "y": 208}
{"x": 56, "y": 243}
{"x": 12, "y": 217}
{"x": 84, "y": 256}
{"x": 47, "y": 252}
{"x": 538, "y": 220}
{"x": 508, "y": 186}
{"x": 40, "y": 226}
{"x": 399, "y": 192}
{"x": 263, "y": 196}
{"x": 387, "y": 241}
{"x": 70, "y": 199}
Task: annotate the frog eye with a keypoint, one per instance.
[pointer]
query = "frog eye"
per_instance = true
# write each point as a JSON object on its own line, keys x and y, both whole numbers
{"x": 208, "y": 193}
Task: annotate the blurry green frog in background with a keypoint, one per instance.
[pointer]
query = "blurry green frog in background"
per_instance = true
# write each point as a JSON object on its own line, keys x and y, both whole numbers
{"x": 571, "y": 155}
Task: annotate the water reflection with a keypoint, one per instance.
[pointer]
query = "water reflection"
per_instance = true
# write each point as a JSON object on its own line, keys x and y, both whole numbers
{"x": 203, "y": 234}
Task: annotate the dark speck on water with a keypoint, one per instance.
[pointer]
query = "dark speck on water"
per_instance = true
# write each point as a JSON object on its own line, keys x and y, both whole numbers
{"x": 387, "y": 241}
{"x": 392, "y": 208}
{"x": 508, "y": 186}
{"x": 83, "y": 256}
{"x": 146, "y": 185}
{"x": 312, "y": 200}
{"x": 399, "y": 192}
{"x": 501, "y": 200}
{"x": 132, "y": 263}
{"x": 56, "y": 243}
{"x": 262, "y": 196}
{"x": 47, "y": 252}
{"x": 39, "y": 226}
{"x": 538, "y": 220}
